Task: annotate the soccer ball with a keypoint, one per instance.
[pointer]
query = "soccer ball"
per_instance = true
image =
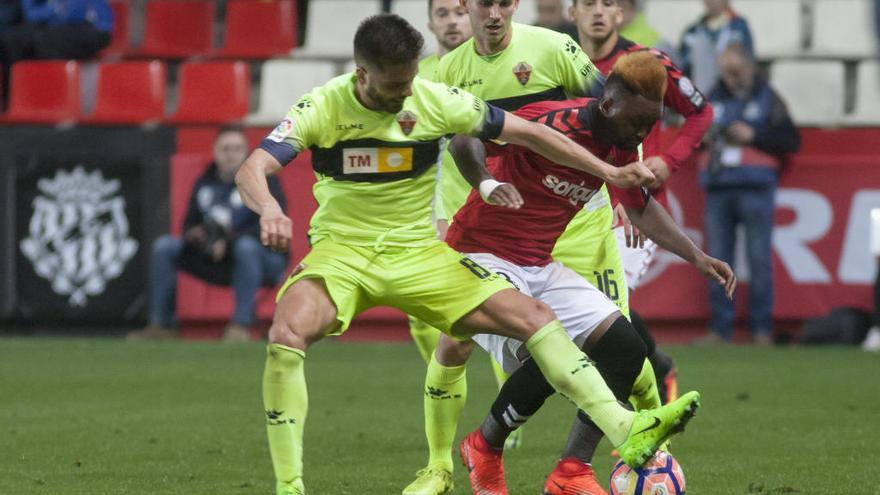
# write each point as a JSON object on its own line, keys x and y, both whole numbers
{"x": 661, "y": 475}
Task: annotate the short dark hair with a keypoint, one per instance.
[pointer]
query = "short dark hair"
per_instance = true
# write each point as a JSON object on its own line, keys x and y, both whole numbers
{"x": 236, "y": 128}
{"x": 387, "y": 39}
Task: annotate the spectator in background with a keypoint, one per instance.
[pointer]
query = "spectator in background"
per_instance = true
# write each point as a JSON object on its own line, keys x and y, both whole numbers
{"x": 10, "y": 14}
{"x": 56, "y": 29}
{"x": 635, "y": 27}
{"x": 750, "y": 138}
{"x": 220, "y": 245}
{"x": 551, "y": 15}
{"x": 704, "y": 41}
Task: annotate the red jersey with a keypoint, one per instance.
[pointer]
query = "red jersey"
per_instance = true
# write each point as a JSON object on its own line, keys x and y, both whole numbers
{"x": 681, "y": 96}
{"x": 552, "y": 193}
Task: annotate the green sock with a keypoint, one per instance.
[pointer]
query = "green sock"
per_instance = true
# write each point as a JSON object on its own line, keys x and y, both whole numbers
{"x": 286, "y": 402}
{"x": 574, "y": 375}
{"x": 445, "y": 395}
{"x": 425, "y": 336}
{"x": 644, "y": 392}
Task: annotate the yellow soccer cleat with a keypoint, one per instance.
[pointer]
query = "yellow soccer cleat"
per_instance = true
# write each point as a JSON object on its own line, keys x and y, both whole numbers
{"x": 652, "y": 428}
{"x": 430, "y": 481}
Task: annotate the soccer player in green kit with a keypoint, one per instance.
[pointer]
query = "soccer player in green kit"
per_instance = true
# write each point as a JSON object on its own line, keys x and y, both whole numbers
{"x": 449, "y": 23}
{"x": 510, "y": 65}
{"x": 374, "y": 137}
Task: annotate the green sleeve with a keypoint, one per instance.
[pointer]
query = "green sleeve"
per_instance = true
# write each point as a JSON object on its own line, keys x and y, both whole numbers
{"x": 578, "y": 74}
{"x": 464, "y": 112}
{"x": 301, "y": 125}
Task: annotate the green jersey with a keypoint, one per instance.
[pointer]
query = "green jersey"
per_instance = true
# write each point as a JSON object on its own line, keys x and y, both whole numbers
{"x": 428, "y": 67}
{"x": 451, "y": 186}
{"x": 537, "y": 65}
{"x": 376, "y": 170}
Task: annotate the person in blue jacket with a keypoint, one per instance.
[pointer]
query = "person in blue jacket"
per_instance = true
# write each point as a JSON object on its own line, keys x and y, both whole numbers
{"x": 750, "y": 142}
{"x": 703, "y": 41}
{"x": 220, "y": 245}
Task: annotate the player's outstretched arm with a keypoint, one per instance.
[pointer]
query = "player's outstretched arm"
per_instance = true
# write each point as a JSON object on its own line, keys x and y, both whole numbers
{"x": 654, "y": 222}
{"x": 558, "y": 148}
{"x": 470, "y": 158}
{"x": 275, "y": 226}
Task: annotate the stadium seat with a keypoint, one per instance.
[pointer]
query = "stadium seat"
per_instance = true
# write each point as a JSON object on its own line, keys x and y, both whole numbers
{"x": 867, "y": 103}
{"x": 344, "y": 16}
{"x": 671, "y": 17}
{"x": 283, "y": 82}
{"x": 212, "y": 93}
{"x": 776, "y": 25}
{"x": 813, "y": 90}
{"x": 129, "y": 93}
{"x": 843, "y": 28}
{"x": 120, "y": 36}
{"x": 257, "y": 29}
{"x": 416, "y": 12}
{"x": 178, "y": 28}
{"x": 44, "y": 92}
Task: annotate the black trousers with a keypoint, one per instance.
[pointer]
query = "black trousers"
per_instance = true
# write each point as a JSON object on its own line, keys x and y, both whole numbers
{"x": 30, "y": 41}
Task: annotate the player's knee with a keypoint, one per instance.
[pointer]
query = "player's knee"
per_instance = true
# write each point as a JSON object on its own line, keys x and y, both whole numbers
{"x": 537, "y": 316}
{"x": 451, "y": 352}
{"x": 166, "y": 245}
{"x": 290, "y": 334}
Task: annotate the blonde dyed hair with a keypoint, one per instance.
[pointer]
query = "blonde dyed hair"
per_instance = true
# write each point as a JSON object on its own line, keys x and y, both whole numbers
{"x": 641, "y": 73}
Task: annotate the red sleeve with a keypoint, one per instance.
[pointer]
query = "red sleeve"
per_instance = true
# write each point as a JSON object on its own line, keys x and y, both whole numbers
{"x": 683, "y": 97}
{"x": 631, "y": 197}
{"x": 542, "y": 112}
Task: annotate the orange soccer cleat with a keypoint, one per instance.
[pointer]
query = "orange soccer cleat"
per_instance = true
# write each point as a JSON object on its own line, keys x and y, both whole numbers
{"x": 484, "y": 464}
{"x": 572, "y": 477}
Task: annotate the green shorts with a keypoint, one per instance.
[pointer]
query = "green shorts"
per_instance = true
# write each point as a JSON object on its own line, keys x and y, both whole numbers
{"x": 589, "y": 247}
{"x": 433, "y": 283}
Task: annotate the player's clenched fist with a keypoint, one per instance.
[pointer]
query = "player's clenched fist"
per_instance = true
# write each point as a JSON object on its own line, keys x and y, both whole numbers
{"x": 634, "y": 174}
{"x": 501, "y": 194}
{"x": 275, "y": 229}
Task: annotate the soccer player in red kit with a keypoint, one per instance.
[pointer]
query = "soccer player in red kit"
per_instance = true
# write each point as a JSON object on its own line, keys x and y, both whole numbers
{"x": 597, "y": 22}
{"x": 517, "y": 243}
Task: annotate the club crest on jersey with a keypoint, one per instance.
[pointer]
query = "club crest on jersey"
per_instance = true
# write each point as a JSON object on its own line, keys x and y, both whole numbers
{"x": 407, "y": 121}
{"x": 523, "y": 72}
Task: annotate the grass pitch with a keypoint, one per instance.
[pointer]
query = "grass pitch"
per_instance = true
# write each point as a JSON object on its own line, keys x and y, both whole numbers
{"x": 90, "y": 416}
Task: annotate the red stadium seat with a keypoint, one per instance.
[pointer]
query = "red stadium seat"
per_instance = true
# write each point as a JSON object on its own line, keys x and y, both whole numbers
{"x": 178, "y": 28}
{"x": 130, "y": 93}
{"x": 259, "y": 29}
{"x": 212, "y": 93}
{"x": 44, "y": 92}
{"x": 119, "y": 37}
